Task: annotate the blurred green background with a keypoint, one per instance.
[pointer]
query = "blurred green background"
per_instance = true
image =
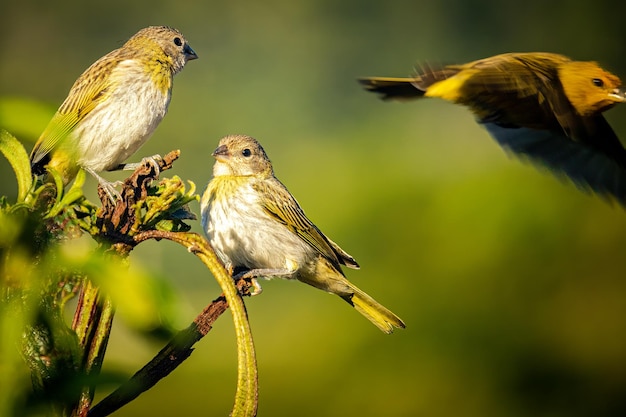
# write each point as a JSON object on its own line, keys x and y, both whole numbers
{"x": 512, "y": 283}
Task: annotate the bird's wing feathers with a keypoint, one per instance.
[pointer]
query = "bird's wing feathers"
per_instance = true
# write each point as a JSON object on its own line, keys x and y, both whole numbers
{"x": 58, "y": 128}
{"x": 603, "y": 138}
{"x": 344, "y": 257}
{"x": 532, "y": 78}
{"x": 583, "y": 165}
{"x": 84, "y": 96}
{"x": 535, "y": 77}
{"x": 523, "y": 77}
{"x": 283, "y": 207}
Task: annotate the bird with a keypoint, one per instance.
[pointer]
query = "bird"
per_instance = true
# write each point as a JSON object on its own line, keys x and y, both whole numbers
{"x": 258, "y": 229}
{"x": 540, "y": 106}
{"x": 113, "y": 107}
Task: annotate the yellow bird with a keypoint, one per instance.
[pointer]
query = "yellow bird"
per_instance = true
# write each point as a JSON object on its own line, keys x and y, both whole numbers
{"x": 113, "y": 107}
{"x": 542, "y": 106}
{"x": 258, "y": 229}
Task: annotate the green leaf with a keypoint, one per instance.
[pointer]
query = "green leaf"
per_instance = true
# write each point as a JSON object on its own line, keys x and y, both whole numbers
{"x": 70, "y": 197}
{"x": 15, "y": 153}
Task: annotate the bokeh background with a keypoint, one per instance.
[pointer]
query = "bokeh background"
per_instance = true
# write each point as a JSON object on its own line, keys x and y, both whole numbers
{"x": 512, "y": 283}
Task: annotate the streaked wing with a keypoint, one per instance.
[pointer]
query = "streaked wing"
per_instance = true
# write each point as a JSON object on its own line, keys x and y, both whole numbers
{"x": 84, "y": 96}
{"x": 513, "y": 77}
{"x": 344, "y": 257}
{"x": 283, "y": 207}
{"x": 534, "y": 78}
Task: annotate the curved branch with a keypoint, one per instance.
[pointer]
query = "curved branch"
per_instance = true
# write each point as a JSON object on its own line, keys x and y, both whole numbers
{"x": 246, "y": 396}
{"x": 168, "y": 359}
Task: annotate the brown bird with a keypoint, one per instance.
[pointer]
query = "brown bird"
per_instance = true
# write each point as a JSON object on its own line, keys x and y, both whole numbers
{"x": 542, "y": 106}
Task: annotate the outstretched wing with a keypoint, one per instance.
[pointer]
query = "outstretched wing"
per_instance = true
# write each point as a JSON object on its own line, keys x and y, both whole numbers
{"x": 584, "y": 165}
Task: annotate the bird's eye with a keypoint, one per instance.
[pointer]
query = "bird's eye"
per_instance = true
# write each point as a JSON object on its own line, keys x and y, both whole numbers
{"x": 178, "y": 41}
{"x": 246, "y": 152}
{"x": 597, "y": 82}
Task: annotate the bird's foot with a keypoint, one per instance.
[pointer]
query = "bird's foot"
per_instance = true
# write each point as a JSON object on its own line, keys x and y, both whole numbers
{"x": 152, "y": 160}
{"x": 108, "y": 187}
{"x": 253, "y": 274}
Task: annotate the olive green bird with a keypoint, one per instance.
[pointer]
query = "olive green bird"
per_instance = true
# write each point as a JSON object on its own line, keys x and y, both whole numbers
{"x": 258, "y": 229}
{"x": 541, "y": 106}
{"x": 113, "y": 107}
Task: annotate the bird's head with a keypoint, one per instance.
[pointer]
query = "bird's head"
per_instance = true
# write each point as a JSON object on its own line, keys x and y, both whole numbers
{"x": 241, "y": 155}
{"x": 164, "y": 44}
{"x": 589, "y": 88}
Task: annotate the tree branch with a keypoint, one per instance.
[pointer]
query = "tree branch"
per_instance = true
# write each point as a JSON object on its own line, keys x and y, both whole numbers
{"x": 168, "y": 359}
{"x": 246, "y": 395}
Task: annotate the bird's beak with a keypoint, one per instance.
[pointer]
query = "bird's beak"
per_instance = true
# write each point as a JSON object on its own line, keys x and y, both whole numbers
{"x": 221, "y": 153}
{"x": 189, "y": 53}
{"x": 618, "y": 95}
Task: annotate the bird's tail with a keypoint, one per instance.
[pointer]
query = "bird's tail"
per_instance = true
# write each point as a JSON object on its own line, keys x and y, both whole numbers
{"x": 371, "y": 309}
{"x": 38, "y": 166}
{"x": 391, "y": 88}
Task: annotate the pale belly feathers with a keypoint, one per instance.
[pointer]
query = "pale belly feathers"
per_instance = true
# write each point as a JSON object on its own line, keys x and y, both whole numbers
{"x": 116, "y": 129}
{"x": 245, "y": 235}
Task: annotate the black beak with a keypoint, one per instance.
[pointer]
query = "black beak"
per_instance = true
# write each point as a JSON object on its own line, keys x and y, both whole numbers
{"x": 189, "y": 53}
{"x": 221, "y": 151}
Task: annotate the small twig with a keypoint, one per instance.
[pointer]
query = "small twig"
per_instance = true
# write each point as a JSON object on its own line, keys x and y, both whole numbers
{"x": 168, "y": 359}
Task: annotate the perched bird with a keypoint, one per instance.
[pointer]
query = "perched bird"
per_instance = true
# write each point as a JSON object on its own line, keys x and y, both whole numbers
{"x": 542, "y": 106}
{"x": 113, "y": 107}
{"x": 258, "y": 229}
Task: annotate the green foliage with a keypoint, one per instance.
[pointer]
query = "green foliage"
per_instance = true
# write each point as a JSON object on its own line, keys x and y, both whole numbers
{"x": 34, "y": 287}
{"x": 14, "y": 152}
{"x": 44, "y": 265}
{"x": 166, "y": 207}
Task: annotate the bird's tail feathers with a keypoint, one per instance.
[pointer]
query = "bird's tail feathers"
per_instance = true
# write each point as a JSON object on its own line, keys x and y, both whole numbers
{"x": 392, "y": 88}
{"x": 427, "y": 75}
{"x": 375, "y": 312}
